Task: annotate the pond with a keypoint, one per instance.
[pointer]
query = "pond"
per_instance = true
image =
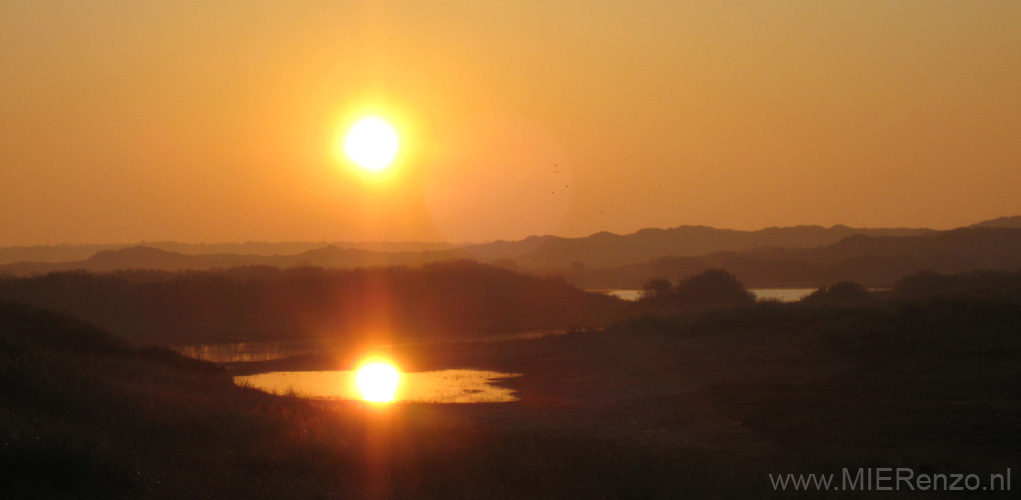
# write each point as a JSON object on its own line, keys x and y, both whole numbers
{"x": 440, "y": 386}
{"x": 781, "y": 294}
{"x": 761, "y": 294}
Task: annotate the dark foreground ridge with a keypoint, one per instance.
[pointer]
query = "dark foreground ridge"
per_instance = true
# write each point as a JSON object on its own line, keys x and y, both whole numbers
{"x": 82, "y": 415}
{"x": 247, "y": 303}
{"x": 697, "y": 403}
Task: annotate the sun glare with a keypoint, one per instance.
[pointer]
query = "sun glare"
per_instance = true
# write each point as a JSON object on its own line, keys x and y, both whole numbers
{"x": 371, "y": 143}
{"x": 377, "y": 382}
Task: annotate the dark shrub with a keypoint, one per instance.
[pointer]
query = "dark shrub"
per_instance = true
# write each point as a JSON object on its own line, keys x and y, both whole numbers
{"x": 843, "y": 293}
{"x": 713, "y": 287}
{"x": 656, "y": 289}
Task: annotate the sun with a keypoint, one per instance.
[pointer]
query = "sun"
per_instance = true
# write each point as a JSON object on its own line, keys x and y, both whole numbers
{"x": 371, "y": 143}
{"x": 378, "y": 382}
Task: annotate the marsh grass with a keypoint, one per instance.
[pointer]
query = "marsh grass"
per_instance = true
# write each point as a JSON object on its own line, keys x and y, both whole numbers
{"x": 928, "y": 384}
{"x": 87, "y": 416}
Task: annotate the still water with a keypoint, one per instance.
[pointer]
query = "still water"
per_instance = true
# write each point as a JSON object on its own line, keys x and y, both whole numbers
{"x": 781, "y": 294}
{"x": 441, "y": 386}
{"x": 761, "y": 294}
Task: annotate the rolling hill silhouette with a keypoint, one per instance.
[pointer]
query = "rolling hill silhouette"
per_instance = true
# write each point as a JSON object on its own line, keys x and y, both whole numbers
{"x": 80, "y": 252}
{"x": 1014, "y": 222}
{"x": 876, "y": 261}
{"x": 545, "y": 253}
{"x": 609, "y": 250}
{"x": 788, "y": 256}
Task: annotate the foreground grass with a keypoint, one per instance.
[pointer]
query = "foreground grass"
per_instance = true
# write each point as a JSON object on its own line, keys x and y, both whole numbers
{"x": 84, "y": 415}
{"x": 701, "y": 406}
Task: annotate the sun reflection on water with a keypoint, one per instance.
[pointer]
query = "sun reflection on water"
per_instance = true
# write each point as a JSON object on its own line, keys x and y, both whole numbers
{"x": 441, "y": 386}
{"x": 377, "y": 382}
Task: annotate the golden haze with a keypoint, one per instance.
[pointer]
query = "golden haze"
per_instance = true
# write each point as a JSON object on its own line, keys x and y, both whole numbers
{"x": 216, "y": 121}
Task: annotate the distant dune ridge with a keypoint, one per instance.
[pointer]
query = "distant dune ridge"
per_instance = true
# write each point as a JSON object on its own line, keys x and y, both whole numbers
{"x": 78, "y": 252}
{"x": 775, "y": 256}
{"x": 602, "y": 249}
{"x": 875, "y": 261}
{"x": 1014, "y": 222}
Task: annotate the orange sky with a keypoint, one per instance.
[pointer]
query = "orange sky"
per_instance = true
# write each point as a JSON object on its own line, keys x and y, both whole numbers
{"x": 126, "y": 121}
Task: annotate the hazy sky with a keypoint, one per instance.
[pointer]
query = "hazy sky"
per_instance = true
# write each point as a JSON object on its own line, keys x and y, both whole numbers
{"x": 125, "y": 121}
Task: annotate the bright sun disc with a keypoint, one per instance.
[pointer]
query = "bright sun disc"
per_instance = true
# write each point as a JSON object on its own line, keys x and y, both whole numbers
{"x": 371, "y": 143}
{"x": 377, "y": 382}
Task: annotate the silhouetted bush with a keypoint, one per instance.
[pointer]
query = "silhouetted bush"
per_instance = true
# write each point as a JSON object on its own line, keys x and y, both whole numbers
{"x": 713, "y": 287}
{"x": 656, "y": 289}
{"x": 845, "y": 293}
